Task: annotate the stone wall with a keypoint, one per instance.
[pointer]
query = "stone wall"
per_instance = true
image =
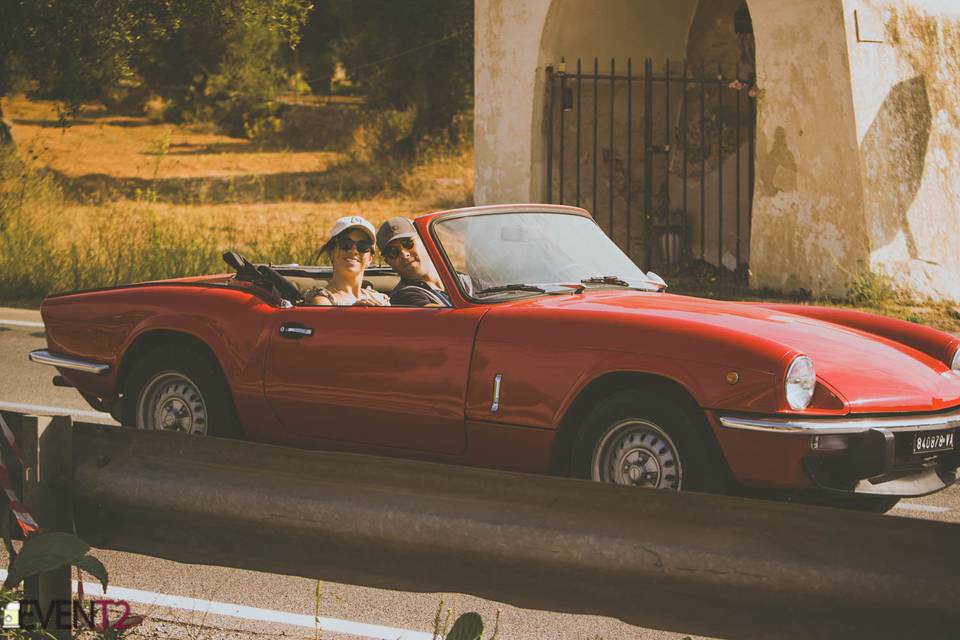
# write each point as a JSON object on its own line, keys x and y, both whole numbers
{"x": 905, "y": 58}
{"x": 857, "y": 160}
{"x": 808, "y": 220}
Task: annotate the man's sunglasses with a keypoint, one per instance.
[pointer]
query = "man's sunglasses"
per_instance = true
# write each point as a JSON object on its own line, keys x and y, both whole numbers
{"x": 346, "y": 244}
{"x": 393, "y": 252}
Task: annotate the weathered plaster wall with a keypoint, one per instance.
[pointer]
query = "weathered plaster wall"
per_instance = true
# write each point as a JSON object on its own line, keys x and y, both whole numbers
{"x": 507, "y": 52}
{"x": 857, "y": 160}
{"x": 808, "y": 222}
{"x": 905, "y": 68}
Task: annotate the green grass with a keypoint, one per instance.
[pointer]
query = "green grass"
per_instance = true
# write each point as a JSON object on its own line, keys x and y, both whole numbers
{"x": 868, "y": 292}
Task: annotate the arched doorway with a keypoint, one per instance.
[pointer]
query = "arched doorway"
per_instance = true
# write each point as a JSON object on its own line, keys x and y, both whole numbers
{"x": 649, "y": 121}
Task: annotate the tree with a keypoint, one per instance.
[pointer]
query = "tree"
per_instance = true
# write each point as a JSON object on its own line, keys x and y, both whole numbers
{"x": 205, "y": 51}
{"x": 415, "y": 53}
{"x": 316, "y": 56}
{"x": 69, "y": 51}
{"x": 73, "y": 51}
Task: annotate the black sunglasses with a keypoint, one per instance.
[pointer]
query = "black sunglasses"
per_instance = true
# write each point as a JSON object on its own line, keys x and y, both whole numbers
{"x": 345, "y": 243}
{"x": 394, "y": 252}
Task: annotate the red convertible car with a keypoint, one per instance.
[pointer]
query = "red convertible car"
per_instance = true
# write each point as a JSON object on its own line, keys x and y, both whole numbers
{"x": 558, "y": 355}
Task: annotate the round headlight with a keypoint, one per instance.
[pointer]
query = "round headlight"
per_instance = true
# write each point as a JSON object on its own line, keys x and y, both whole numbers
{"x": 800, "y": 383}
{"x": 955, "y": 364}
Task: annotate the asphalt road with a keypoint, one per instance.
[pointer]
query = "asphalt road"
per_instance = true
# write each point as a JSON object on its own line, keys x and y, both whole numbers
{"x": 25, "y": 386}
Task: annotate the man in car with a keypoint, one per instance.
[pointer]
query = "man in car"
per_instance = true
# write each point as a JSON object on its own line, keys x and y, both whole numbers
{"x": 419, "y": 284}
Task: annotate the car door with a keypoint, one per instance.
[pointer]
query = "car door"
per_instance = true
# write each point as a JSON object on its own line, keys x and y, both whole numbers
{"x": 380, "y": 376}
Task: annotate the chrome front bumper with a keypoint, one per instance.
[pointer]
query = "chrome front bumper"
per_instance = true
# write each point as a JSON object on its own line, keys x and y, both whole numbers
{"x": 42, "y": 356}
{"x": 846, "y": 425}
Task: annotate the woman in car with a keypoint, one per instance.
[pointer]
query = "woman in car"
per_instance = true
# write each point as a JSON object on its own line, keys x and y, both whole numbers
{"x": 350, "y": 248}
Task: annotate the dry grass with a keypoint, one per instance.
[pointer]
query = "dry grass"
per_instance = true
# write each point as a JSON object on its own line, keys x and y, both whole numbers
{"x": 113, "y": 199}
{"x": 237, "y": 219}
{"x": 123, "y": 147}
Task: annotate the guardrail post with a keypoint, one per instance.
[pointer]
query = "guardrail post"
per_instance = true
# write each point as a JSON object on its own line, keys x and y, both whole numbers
{"x": 46, "y": 443}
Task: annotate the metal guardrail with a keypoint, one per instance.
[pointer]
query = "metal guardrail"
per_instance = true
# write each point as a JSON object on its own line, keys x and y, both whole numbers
{"x": 701, "y": 564}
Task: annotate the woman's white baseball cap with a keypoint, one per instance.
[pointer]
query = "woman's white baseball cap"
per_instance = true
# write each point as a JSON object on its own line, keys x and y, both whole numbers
{"x": 352, "y": 222}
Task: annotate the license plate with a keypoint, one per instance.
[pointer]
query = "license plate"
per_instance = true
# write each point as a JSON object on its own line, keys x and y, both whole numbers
{"x": 933, "y": 442}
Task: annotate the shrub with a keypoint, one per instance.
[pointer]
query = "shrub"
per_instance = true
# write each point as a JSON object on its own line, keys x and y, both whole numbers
{"x": 872, "y": 289}
{"x": 384, "y": 138}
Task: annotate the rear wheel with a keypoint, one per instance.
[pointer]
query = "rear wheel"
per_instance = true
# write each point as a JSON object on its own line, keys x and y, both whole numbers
{"x": 176, "y": 389}
{"x": 644, "y": 438}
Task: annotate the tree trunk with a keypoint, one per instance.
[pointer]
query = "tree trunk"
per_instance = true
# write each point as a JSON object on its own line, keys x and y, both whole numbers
{"x": 6, "y": 128}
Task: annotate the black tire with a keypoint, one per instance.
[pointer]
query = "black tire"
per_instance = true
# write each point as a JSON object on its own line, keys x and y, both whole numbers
{"x": 210, "y": 390}
{"x": 693, "y": 456}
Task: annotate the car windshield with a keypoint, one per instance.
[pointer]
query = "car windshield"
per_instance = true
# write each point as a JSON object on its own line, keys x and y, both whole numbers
{"x": 498, "y": 252}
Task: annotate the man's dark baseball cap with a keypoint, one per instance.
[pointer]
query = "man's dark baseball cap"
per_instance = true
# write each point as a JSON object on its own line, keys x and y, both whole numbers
{"x": 394, "y": 228}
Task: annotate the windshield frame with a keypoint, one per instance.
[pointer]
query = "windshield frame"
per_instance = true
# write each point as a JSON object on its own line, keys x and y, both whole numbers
{"x": 499, "y": 211}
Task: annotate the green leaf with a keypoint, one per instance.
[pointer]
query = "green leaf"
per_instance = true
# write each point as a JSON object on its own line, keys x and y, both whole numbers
{"x": 95, "y": 568}
{"x": 469, "y": 626}
{"x": 44, "y": 552}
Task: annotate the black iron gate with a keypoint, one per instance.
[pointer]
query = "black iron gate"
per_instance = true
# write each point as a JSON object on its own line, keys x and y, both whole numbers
{"x": 664, "y": 160}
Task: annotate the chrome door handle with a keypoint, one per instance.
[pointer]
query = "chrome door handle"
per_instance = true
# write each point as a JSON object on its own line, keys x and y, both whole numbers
{"x": 295, "y": 331}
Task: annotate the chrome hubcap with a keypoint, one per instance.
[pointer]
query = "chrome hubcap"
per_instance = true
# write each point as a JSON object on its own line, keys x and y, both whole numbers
{"x": 637, "y": 453}
{"x": 170, "y": 401}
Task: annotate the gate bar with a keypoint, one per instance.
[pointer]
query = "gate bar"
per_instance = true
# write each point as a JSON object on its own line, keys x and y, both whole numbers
{"x": 629, "y": 154}
{"x": 739, "y": 91}
{"x": 752, "y": 102}
{"x": 668, "y": 245}
{"x": 683, "y": 134}
{"x": 703, "y": 161}
{"x": 596, "y": 88}
{"x": 579, "y": 91}
{"x": 550, "y": 135}
{"x": 648, "y": 163}
{"x": 720, "y": 176}
{"x": 613, "y": 101}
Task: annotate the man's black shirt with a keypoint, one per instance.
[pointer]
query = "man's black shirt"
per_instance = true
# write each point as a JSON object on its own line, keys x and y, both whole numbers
{"x": 417, "y": 293}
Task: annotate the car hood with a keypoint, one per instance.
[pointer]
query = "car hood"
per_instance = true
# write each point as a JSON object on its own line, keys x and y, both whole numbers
{"x": 869, "y": 373}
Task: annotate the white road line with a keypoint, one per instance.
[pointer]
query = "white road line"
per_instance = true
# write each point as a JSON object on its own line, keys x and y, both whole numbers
{"x": 22, "y": 323}
{"x": 57, "y": 411}
{"x": 333, "y": 625}
{"x": 909, "y": 506}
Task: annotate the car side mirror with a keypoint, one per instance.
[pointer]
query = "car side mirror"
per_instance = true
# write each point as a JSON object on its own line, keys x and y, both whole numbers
{"x": 656, "y": 279}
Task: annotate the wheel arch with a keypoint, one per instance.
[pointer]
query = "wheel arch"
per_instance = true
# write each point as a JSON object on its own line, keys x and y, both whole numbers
{"x": 602, "y": 387}
{"x": 155, "y": 338}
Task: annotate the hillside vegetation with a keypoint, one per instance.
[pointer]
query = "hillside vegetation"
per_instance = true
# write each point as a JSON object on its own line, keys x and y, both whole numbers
{"x": 116, "y": 199}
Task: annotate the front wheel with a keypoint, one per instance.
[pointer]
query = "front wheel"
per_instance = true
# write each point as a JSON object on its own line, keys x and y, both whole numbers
{"x": 175, "y": 389}
{"x": 641, "y": 438}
